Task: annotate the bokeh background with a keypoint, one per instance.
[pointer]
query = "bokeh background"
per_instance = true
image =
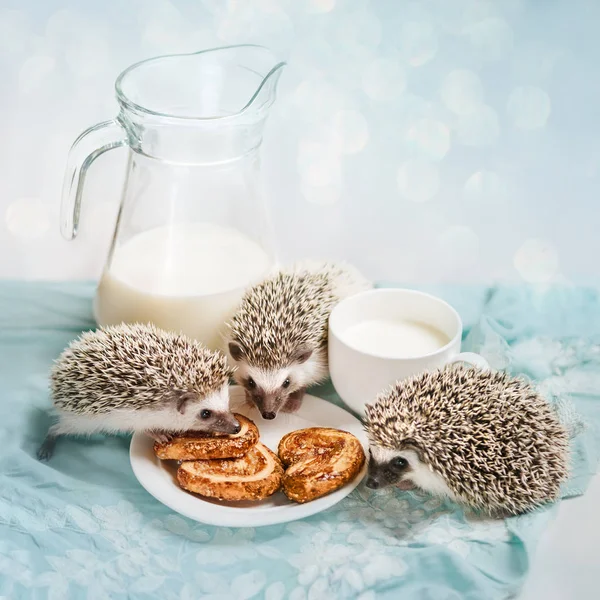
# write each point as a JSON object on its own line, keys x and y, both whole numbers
{"x": 428, "y": 141}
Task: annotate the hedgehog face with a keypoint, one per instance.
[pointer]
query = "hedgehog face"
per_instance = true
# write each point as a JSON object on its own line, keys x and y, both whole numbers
{"x": 388, "y": 467}
{"x": 274, "y": 389}
{"x": 406, "y": 469}
{"x": 210, "y": 414}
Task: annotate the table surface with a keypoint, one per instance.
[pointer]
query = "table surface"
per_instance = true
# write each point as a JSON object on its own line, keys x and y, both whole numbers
{"x": 567, "y": 561}
{"x": 56, "y": 518}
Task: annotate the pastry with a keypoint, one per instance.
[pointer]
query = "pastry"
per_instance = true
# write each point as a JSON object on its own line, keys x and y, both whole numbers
{"x": 253, "y": 477}
{"x": 193, "y": 445}
{"x": 318, "y": 461}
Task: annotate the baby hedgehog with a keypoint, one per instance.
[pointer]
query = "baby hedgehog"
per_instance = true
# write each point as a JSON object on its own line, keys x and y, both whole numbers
{"x": 132, "y": 378}
{"x": 484, "y": 439}
{"x": 278, "y": 337}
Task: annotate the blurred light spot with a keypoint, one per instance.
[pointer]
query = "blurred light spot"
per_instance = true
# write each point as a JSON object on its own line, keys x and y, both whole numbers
{"x": 350, "y": 130}
{"x": 418, "y": 43}
{"x": 348, "y": 73}
{"x": 316, "y": 51}
{"x": 27, "y": 218}
{"x": 418, "y": 180}
{"x": 167, "y": 31}
{"x": 528, "y": 107}
{"x": 479, "y": 128}
{"x": 317, "y": 100}
{"x": 430, "y": 138}
{"x": 322, "y": 194}
{"x": 534, "y": 61}
{"x": 88, "y": 56}
{"x": 462, "y": 91}
{"x": 485, "y": 187}
{"x": 59, "y": 25}
{"x": 34, "y": 72}
{"x": 164, "y": 38}
{"x": 317, "y": 164}
{"x": 536, "y": 261}
{"x": 322, "y": 173}
{"x": 459, "y": 244}
{"x": 492, "y": 38}
{"x": 454, "y": 16}
{"x": 357, "y": 32}
{"x": 14, "y": 32}
{"x": 305, "y": 92}
{"x": 320, "y": 6}
{"x": 384, "y": 78}
{"x": 82, "y": 41}
{"x": 253, "y": 26}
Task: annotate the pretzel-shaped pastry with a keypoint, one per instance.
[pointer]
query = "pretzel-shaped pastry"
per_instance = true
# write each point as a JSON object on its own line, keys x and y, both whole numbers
{"x": 252, "y": 477}
{"x": 318, "y": 461}
{"x": 201, "y": 446}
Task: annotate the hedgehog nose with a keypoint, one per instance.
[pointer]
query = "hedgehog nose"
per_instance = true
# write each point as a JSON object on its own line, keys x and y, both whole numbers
{"x": 269, "y": 415}
{"x": 372, "y": 483}
{"x": 237, "y": 428}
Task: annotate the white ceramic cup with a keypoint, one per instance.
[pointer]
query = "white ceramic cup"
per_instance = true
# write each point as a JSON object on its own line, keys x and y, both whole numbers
{"x": 358, "y": 375}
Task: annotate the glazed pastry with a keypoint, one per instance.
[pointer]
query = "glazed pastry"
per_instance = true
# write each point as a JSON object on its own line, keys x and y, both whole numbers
{"x": 255, "y": 476}
{"x": 318, "y": 461}
{"x": 194, "y": 445}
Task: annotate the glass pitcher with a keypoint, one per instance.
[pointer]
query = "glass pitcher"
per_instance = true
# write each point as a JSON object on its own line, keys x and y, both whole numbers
{"x": 193, "y": 229}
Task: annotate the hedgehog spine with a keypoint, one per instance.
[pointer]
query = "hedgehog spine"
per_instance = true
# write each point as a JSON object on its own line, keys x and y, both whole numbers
{"x": 278, "y": 336}
{"x": 130, "y": 378}
{"x": 491, "y": 439}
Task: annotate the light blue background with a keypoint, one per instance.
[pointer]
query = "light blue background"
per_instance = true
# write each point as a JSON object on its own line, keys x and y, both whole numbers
{"x": 427, "y": 141}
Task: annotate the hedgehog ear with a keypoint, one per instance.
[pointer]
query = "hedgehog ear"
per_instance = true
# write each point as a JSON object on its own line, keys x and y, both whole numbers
{"x": 236, "y": 351}
{"x": 183, "y": 400}
{"x": 411, "y": 444}
{"x": 302, "y": 354}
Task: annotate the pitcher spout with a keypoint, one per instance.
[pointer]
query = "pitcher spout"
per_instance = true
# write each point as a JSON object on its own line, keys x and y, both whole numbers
{"x": 263, "y": 62}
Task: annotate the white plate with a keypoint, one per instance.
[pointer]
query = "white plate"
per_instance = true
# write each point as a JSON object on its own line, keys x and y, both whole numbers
{"x": 158, "y": 477}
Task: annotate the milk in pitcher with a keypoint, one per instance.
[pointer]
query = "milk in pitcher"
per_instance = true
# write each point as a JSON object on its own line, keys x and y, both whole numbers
{"x": 186, "y": 278}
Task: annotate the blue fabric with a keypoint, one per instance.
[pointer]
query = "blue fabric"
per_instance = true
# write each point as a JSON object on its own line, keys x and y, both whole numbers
{"x": 82, "y": 527}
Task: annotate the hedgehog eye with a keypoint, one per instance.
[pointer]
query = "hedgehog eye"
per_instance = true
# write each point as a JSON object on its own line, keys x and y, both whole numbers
{"x": 251, "y": 383}
{"x": 205, "y": 414}
{"x": 398, "y": 462}
{"x": 286, "y": 383}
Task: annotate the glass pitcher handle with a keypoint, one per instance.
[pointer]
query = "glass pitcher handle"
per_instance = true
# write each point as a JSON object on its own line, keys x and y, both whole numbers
{"x": 85, "y": 150}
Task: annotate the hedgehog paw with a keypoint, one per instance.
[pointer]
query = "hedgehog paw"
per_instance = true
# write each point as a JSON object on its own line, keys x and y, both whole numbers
{"x": 294, "y": 402}
{"x": 160, "y": 436}
{"x": 45, "y": 452}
